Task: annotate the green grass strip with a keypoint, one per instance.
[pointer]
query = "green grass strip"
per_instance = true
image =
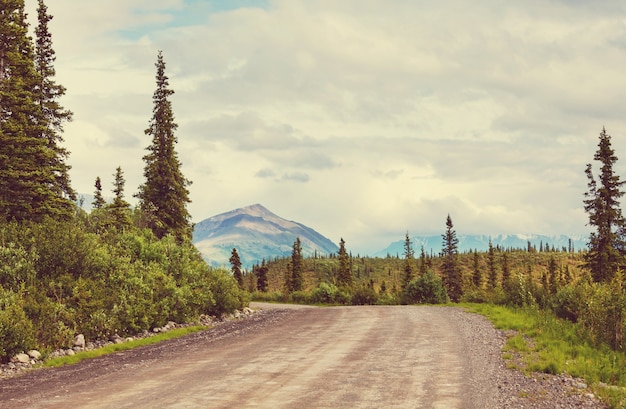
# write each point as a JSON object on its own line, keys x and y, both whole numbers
{"x": 109, "y": 349}
{"x": 552, "y": 345}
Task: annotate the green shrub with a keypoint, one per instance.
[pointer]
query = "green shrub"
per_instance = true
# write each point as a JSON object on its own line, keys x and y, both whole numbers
{"x": 324, "y": 293}
{"x": 426, "y": 289}
{"x": 364, "y": 295}
{"x": 16, "y": 329}
{"x": 17, "y": 267}
{"x": 226, "y": 293}
{"x": 270, "y": 296}
{"x": 301, "y": 297}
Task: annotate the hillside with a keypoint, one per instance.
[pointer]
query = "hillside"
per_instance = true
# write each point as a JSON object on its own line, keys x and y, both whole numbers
{"x": 257, "y": 234}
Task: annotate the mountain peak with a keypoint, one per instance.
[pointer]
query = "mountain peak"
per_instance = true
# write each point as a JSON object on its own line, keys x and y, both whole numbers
{"x": 257, "y": 234}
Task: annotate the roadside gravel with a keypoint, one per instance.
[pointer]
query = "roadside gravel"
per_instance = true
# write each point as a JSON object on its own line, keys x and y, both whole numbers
{"x": 513, "y": 388}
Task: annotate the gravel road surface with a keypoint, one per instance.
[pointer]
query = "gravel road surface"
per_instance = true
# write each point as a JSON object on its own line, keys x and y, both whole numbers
{"x": 299, "y": 357}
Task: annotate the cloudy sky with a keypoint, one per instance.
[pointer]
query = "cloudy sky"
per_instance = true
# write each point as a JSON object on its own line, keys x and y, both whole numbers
{"x": 363, "y": 119}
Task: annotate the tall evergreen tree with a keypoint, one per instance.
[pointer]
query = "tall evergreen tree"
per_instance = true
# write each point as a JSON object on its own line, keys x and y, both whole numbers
{"x": 491, "y": 263}
{"x": 451, "y": 273}
{"x": 120, "y": 208}
{"x": 506, "y": 271}
{"x": 477, "y": 275}
{"x": 602, "y": 203}
{"x": 423, "y": 268}
{"x": 48, "y": 93}
{"x": 235, "y": 265}
{"x": 98, "y": 200}
{"x": 408, "y": 261}
{"x": 261, "y": 277}
{"x": 297, "y": 266}
{"x": 164, "y": 196}
{"x": 28, "y": 184}
{"x": 344, "y": 273}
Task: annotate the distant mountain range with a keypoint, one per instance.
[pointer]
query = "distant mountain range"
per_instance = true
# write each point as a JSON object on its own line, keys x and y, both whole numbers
{"x": 433, "y": 244}
{"x": 257, "y": 234}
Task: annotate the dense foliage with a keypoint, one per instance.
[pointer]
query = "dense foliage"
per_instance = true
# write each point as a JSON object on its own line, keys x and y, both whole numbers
{"x": 62, "y": 271}
{"x": 61, "y": 278}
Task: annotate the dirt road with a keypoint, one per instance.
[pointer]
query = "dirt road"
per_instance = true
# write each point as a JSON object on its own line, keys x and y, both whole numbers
{"x": 343, "y": 357}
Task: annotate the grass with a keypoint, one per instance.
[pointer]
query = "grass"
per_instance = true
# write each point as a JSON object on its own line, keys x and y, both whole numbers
{"x": 544, "y": 343}
{"x": 109, "y": 349}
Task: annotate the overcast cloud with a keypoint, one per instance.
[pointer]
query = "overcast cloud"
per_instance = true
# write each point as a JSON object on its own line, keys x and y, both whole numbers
{"x": 363, "y": 119}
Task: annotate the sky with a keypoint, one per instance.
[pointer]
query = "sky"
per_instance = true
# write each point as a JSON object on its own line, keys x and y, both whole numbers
{"x": 363, "y": 119}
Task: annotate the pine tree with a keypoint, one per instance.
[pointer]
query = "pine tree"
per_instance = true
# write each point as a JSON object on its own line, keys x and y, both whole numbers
{"x": 451, "y": 272}
{"x": 261, "y": 275}
{"x": 28, "y": 184}
{"x": 423, "y": 263}
{"x": 408, "y": 261}
{"x": 344, "y": 273}
{"x": 235, "y": 265}
{"x": 164, "y": 196}
{"x": 506, "y": 271}
{"x": 297, "y": 266}
{"x": 120, "y": 208}
{"x": 606, "y": 243}
{"x": 553, "y": 272}
{"x": 98, "y": 200}
{"x": 47, "y": 93}
{"x": 491, "y": 262}
{"x": 477, "y": 276}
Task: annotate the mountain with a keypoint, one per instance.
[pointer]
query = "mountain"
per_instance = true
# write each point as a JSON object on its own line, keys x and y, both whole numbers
{"x": 432, "y": 244}
{"x": 257, "y": 234}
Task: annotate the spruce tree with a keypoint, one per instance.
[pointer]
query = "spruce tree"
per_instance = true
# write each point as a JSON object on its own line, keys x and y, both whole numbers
{"x": 98, "y": 200}
{"x": 261, "y": 275}
{"x": 602, "y": 203}
{"x": 28, "y": 183}
{"x": 48, "y": 93}
{"x": 120, "y": 208}
{"x": 164, "y": 196}
{"x": 491, "y": 263}
{"x": 297, "y": 266}
{"x": 506, "y": 271}
{"x": 451, "y": 272}
{"x": 344, "y": 274}
{"x": 477, "y": 276}
{"x": 423, "y": 268}
{"x": 235, "y": 265}
{"x": 408, "y": 261}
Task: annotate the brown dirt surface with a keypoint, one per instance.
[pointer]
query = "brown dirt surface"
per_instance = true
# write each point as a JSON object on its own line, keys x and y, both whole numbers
{"x": 298, "y": 357}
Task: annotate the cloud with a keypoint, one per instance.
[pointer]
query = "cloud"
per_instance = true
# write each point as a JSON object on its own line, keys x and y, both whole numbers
{"x": 358, "y": 118}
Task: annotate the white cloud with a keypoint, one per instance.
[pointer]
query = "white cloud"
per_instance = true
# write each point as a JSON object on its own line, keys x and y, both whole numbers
{"x": 362, "y": 119}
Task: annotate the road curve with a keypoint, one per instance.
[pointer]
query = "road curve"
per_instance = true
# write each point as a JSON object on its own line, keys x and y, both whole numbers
{"x": 338, "y": 357}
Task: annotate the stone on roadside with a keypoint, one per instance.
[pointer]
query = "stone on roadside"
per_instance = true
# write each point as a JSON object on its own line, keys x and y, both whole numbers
{"x": 70, "y": 352}
{"x": 79, "y": 341}
{"x": 33, "y": 353}
{"x": 21, "y": 358}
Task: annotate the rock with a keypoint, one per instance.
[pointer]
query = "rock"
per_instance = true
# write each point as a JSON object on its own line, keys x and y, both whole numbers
{"x": 171, "y": 325}
{"x": 33, "y": 353}
{"x": 156, "y": 330}
{"x": 581, "y": 385}
{"x": 130, "y": 339}
{"x": 70, "y": 352}
{"x": 21, "y": 358}
{"x": 79, "y": 341}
